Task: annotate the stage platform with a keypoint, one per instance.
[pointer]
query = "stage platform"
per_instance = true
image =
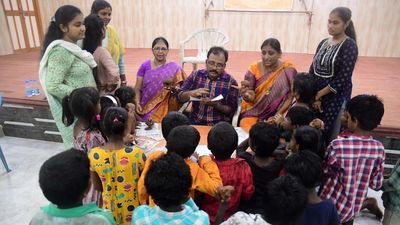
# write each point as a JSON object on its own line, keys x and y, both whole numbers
{"x": 372, "y": 75}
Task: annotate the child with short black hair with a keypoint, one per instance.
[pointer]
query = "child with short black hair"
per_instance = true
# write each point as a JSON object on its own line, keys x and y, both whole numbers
{"x": 183, "y": 141}
{"x": 283, "y": 203}
{"x": 297, "y": 116}
{"x": 169, "y": 122}
{"x": 64, "y": 179}
{"x": 169, "y": 181}
{"x": 355, "y": 162}
{"x": 307, "y": 168}
{"x": 304, "y": 90}
{"x": 116, "y": 168}
{"x": 125, "y": 95}
{"x": 306, "y": 137}
{"x": 222, "y": 140}
{"x": 263, "y": 140}
{"x": 172, "y": 120}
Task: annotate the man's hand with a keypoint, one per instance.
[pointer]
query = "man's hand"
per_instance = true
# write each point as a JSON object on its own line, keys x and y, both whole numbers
{"x": 199, "y": 92}
{"x": 207, "y": 101}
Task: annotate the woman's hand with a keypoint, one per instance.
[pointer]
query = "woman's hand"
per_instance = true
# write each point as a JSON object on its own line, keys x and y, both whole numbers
{"x": 318, "y": 124}
{"x": 276, "y": 120}
{"x": 139, "y": 108}
{"x": 249, "y": 96}
{"x": 318, "y": 105}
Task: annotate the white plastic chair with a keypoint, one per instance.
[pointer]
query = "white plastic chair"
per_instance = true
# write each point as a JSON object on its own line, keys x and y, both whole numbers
{"x": 205, "y": 38}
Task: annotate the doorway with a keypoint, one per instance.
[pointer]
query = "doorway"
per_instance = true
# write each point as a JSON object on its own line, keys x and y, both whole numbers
{"x": 24, "y": 24}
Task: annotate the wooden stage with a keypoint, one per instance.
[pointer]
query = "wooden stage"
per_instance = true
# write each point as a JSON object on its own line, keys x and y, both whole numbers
{"x": 372, "y": 75}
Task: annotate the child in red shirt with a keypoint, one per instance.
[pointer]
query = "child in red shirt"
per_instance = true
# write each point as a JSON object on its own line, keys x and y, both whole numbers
{"x": 222, "y": 141}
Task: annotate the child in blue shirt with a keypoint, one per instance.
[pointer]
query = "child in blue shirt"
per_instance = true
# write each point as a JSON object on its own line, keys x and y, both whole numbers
{"x": 168, "y": 181}
{"x": 306, "y": 166}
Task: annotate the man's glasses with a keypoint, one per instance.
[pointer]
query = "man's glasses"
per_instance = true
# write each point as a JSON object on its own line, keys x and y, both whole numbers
{"x": 218, "y": 65}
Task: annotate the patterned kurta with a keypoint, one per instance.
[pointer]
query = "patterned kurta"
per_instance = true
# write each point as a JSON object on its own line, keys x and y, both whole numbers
{"x": 333, "y": 66}
{"x": 119, "y": 172}
{"x": 65, "y": 73}
{"x": 85, "y": 141}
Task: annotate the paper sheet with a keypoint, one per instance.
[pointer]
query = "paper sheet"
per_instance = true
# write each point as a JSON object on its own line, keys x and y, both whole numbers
{"x": 218, "y": 98}
{"x": 154, "y": 133}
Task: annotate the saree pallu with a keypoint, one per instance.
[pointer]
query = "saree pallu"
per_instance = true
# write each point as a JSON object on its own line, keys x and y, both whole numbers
{"x": 271, "y": 90}
{"x": 156, "y": 101}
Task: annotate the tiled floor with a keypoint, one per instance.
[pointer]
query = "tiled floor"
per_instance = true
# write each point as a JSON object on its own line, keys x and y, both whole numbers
{"x": 20, "y": 194}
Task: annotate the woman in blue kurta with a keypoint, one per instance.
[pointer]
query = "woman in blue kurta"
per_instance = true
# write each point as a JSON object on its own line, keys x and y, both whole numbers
{"x": 332, "y": 67}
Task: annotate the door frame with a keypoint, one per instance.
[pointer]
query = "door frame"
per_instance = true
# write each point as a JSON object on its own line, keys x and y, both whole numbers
{"x": 22, "y": 14}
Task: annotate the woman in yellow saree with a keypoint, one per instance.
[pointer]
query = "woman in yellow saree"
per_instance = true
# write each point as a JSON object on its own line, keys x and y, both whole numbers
{"x": 267, "y": 86}
{"x": 156, "y": 84}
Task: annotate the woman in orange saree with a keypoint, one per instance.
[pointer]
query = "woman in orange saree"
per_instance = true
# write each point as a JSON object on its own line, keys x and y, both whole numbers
{"x": 267, "y": 87}
{"x": 156, "y": 84}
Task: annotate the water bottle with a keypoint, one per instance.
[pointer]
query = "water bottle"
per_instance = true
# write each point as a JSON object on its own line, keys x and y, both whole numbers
{"x": 28, "y": 88}
{"x": 31, "y": 88}
{"x": 35, "y": 88}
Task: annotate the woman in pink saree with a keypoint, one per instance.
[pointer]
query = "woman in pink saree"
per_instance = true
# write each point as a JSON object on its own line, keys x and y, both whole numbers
{"x": 156, "y": 84}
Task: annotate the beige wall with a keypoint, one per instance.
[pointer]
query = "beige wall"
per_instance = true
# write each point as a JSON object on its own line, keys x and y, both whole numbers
{"x": 5, "y": 39}
{"x": 140, "y": 21}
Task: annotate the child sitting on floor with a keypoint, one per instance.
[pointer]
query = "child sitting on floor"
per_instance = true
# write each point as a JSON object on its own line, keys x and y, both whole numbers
{"x": 263, "y": 140}
{"x": 222, "y": 141}
{"x": 168, "y": 181}
{"x": 183, "y": 141}
{"x": 126, "y": 97}
{"x": 169, "y": 122}
{"x": 355, "y": 162}
{"x": 307, "y": 168}
{"x": 116, "y": 168}
{"x": 306, "y": 137}
{"x": 64, "y": 180}
{"x": 284, "y": 201}
{"x": 304, "y": 91}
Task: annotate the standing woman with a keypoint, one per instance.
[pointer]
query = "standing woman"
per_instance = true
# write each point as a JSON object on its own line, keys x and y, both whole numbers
{"x": 64, "y": 65}
{"x": 111, "y": 41}
{"x": 332, "y": 68}
{"x": 157, "y": 82}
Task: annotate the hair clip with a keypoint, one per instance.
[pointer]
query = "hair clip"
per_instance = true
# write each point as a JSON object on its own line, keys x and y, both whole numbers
{"x": 53, "y": 19}
{"x": 115, "y": 120}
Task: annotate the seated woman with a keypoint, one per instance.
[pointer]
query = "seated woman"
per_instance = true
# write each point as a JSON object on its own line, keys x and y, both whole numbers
{"x": 107, "y": 72}
{"x": 266, "y": 89}
{"x": 157, "y": 82}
